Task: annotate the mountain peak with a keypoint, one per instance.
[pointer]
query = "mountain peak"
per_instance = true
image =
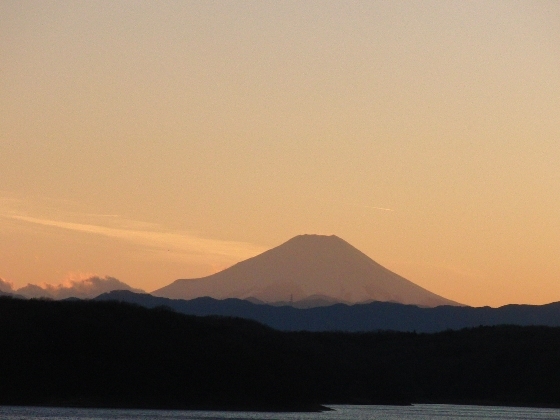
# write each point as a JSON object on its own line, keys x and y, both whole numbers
{"x": 305, "y": 266}
{"x": 311, "y": 240}
{"x": 314, "y": 238}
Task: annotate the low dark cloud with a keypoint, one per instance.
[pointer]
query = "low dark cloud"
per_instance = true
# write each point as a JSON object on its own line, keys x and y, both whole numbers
{"x": 6, "y": 286}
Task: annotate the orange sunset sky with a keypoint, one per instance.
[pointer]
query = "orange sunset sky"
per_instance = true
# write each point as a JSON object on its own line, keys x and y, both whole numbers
{"x": 150, "y": 141}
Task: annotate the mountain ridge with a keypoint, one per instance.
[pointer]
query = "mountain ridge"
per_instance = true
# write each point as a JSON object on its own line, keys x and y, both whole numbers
{"x": 374, "y": 316}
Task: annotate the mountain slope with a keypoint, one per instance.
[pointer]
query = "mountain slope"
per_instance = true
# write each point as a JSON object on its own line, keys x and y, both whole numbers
{"x": 307, "y": 267}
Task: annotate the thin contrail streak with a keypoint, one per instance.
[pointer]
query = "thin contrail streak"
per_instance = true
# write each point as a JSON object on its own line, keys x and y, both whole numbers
{"x": 369, "y": 207}
{"x": 378, "y": 208}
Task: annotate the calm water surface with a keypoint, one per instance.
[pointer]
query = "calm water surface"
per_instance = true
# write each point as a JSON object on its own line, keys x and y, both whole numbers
{"x": 341, "y": 412}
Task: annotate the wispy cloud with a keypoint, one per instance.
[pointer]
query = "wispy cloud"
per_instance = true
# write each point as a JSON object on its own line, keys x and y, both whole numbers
{"x": 147, "y": 235}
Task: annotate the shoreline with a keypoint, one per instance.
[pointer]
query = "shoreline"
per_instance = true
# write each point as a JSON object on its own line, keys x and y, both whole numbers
{"x": 311, "y": 408}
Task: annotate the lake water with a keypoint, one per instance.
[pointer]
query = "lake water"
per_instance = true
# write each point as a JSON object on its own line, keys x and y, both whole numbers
{"x": 341, "y": 412}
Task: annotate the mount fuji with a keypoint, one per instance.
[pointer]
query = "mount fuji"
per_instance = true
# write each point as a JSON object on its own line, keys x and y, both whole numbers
{"x": 307, "y": 271}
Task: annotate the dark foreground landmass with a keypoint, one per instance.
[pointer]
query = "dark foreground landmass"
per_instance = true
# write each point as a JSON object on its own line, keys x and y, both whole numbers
{"x": 359, "y": 317}
{"x": 111, "y": 354}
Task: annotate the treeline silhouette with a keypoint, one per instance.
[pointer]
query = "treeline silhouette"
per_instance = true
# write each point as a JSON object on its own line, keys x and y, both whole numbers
{"x": 111, "y": 354}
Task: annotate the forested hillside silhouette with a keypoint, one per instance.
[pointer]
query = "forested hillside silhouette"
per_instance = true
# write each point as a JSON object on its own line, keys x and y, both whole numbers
{"x": 111, "y": 354}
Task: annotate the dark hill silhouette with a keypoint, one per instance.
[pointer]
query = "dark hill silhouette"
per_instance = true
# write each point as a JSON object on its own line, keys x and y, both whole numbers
{"x": 308, "y": 268}
{"x": 360, "y": 317}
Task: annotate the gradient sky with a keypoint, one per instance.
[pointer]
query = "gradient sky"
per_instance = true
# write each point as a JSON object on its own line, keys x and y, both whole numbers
{"x": 151, "y": 141}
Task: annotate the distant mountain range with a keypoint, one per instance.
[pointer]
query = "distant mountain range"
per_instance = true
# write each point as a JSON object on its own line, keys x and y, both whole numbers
{"x": 359, "y": 317}
{"x": 306, "y": 271}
